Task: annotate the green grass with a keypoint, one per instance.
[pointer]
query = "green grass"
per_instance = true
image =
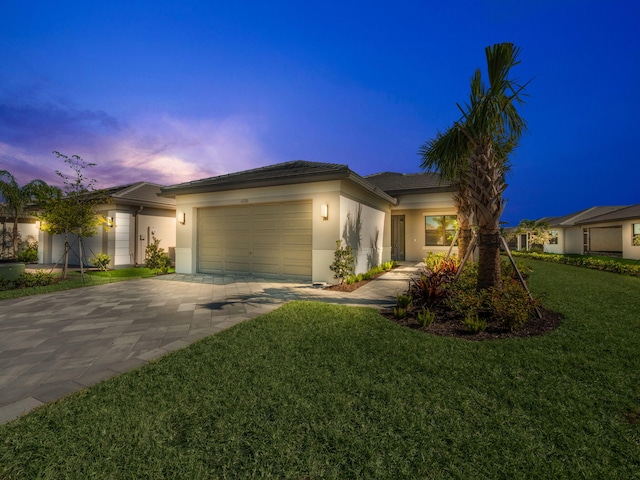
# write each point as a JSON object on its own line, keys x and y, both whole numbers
{"x": 74, "y": 280}
{"x": 324, "y": 391}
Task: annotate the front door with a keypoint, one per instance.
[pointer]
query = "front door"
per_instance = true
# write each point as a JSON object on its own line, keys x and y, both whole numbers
{"x": 397, "y": 237}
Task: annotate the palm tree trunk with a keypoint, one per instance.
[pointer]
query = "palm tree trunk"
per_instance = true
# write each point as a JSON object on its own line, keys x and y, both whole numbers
{"x": 465, "y": 212}
{"x": 486, "y": 181}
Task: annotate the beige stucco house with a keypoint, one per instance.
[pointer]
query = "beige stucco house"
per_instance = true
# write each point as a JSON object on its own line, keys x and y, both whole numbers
{"x": 283, "y": 220}
{"x": 27, "y": 232}
{"x": 600, "y": 230}
{"x": 135, "y": 214}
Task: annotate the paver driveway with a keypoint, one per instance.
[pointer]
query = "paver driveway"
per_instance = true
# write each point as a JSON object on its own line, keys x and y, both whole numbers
{"x": 54, "y": 344}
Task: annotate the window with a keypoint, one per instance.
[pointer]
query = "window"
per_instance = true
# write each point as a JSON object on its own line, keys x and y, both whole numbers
{"x": 440, "y": 229}
{"x": 553, "y": 237}
{"x": 636, "y": 234}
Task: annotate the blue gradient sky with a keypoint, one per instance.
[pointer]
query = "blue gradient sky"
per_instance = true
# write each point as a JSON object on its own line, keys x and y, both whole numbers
{"x": 179, "y": 90}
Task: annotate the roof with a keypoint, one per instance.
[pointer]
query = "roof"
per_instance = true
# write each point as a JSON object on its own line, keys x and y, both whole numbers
{"x": 139, "y": 193}
{"x": 580, "y": 217}
{"x": 288, "y": 173}
{"x": 407, "y": 183}
{"x": 625, "y": 213}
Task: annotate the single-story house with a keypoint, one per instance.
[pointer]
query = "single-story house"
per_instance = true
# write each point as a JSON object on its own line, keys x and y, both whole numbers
{"x": 600, "y": 230}
{"x": 284, "y": 220}
{"x": 135, "y": 214}
{"x": 620, "y": 228}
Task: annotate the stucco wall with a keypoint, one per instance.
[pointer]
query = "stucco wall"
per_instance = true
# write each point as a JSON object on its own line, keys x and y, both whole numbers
{"x": 362, "y": 228}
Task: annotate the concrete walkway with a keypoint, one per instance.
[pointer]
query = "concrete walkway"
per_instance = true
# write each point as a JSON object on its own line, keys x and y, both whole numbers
{"x": 55, "y": 344}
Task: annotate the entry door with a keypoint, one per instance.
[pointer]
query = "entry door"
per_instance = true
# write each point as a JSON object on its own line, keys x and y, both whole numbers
{"x": 397, "y": 237}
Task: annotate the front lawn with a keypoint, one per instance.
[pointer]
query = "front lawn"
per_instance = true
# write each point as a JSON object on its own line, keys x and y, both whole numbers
{"x": 314, "y": 390}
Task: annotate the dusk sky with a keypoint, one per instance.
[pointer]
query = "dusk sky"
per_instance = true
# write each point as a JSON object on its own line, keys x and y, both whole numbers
{"x": 171, "y": 91}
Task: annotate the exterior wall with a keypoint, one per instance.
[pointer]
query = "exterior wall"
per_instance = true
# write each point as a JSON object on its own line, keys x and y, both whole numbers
{"x": 573, "y": 240}
{"x": 559, "y": 247}
{"x": 325, "y": 232}
{"x": 362, "y": 229}
{"x": 415, "y": 208}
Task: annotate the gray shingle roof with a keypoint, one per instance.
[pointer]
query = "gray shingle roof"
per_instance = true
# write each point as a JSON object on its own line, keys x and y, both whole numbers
{"x": 297, "y": 171}
{"x": 405, "y": 183}
{"x": 139, "y": 193}
{"x": 626, "y": 213}
{"x": 581, "y": 216}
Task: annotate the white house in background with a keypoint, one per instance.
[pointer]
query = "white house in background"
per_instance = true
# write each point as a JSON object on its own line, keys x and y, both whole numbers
{"x": 283, "y": 220}
{"x": 595, "y": 230}
{"x": 27, "y": 232}
{"x": 623, "y": 226}
{"x": 136, "y": 214}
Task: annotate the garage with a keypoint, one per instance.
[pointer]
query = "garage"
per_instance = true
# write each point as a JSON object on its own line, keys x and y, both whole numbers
{"x": 272, "y": 239}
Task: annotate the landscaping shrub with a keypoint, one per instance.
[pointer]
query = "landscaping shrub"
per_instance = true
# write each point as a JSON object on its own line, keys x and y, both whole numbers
{"x": 100, "y": 260}
{"x": 474, "y": 323}
{"x": 511, "y": 306}
{"x": 39, "y": 278}
{"x": 425, "y": 317}
{"x": 155, "y": 257}
{"x": 29, "y": 254}
{"x": 433, "y": 284}
{"x": 343, "y": 264}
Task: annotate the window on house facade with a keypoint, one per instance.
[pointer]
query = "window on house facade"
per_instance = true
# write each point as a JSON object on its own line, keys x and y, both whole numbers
{"x": 553, "y": 237}
{"x": 636, "y": 234}
{"x": 440, "y": 229}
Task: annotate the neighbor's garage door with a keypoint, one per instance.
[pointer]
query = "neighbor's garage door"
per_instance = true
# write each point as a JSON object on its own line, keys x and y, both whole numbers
{"x": 269, "y": 239}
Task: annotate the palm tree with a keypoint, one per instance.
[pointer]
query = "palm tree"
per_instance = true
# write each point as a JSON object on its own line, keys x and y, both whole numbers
{"x": 448, "y": 154}
{"x": 16, "y": 198}
{"x": 475, "y": 150}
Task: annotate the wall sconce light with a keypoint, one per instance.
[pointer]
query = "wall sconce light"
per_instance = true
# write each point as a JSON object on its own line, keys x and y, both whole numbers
{"x": 109, "y": 222}
{"x": 324, "y": 211}
{"x": 182, "y": 218}
{"x": 38, "y": 224}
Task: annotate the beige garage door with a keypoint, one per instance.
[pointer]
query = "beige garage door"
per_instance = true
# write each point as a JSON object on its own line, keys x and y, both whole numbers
{"x": 269, "y": 239}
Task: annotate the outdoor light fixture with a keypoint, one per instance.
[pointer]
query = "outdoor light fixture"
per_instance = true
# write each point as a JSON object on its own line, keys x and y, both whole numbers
{"x": 324, "y": 211}
{"x": 182, "y": 218}
{"x": 109, "y": 222}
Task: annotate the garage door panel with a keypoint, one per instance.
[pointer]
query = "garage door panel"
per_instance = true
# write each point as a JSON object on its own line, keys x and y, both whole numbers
{"x": 268, "y": 239}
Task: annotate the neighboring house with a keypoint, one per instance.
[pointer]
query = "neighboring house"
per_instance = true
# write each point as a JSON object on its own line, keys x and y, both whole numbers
{"x": 283, "y": 220}
{"x": 27, "y": 232}
{"x": 135, "y": 215}
{"x": 582, "y": 233}
{"x": 620, "y": 228}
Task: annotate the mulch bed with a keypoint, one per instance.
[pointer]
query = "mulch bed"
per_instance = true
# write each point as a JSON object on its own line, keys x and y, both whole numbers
{"x": 450, "y": 325}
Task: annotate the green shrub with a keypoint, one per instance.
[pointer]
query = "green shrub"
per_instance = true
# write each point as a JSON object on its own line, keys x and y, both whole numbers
{"x": 343, "y": 264}
{"x": 425, "y": 317}
{"x": 39, "y": 278}
{"x": 155, "y": 258}
{"x": 474, "y": 323}
{"x": 29, "y": 254}
{"x": 511, "y": 306}
{"x": 399, "y": 312}
{"x": 403, "y": 301}
{"x": 100, "y": 260}
{"x": 6, "y": 284}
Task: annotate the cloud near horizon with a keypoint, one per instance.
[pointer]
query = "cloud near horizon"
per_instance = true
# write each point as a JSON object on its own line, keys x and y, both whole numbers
{"x": 157, "y": 148}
